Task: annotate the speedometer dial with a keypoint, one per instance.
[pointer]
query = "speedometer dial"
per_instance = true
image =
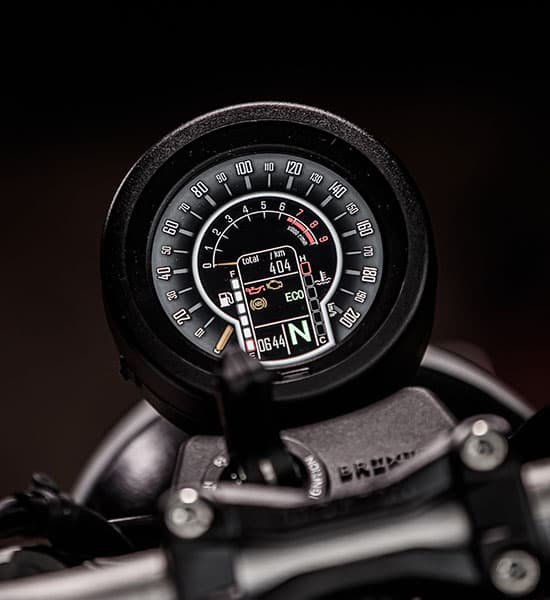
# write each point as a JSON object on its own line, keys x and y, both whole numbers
{"x": 283, "y": 230}
{"x": 273, "y": 251}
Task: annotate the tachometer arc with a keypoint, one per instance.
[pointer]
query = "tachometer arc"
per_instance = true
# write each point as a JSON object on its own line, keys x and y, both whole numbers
{"x": 262, "y": 194}
{"x": 253, "y": 196}
{"x": 257, "y": 212}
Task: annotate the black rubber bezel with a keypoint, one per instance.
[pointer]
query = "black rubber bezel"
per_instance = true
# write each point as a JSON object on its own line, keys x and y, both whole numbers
{"x": 177, "y": 374}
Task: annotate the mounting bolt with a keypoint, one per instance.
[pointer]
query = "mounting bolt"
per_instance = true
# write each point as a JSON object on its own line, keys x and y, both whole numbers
{"x": 484, "y": 449}
{"x": 188, "y": 515}
{"x": 515, "y": 573}
{"x": 220, "y": 461}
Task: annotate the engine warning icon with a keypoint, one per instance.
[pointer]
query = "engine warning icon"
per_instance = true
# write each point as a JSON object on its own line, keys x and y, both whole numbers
{"x": 274, "y": 284}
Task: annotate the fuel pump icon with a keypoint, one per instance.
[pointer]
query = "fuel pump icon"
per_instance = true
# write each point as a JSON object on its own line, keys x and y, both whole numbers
{"x": 225, "y": 299}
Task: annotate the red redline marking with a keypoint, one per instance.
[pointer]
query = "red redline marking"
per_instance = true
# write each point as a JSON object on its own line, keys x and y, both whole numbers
{"x": 310, "y": 237}
{"x": 303, "y": 229}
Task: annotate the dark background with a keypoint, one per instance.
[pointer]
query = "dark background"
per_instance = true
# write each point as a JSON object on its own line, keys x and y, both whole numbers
{"x": 461, "y": 97}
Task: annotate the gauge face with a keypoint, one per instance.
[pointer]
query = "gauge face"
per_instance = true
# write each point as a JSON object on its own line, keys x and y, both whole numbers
{"x": 272, "y": 251}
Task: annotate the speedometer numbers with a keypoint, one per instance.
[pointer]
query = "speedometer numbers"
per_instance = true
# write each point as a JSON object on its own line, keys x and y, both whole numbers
{"x": 270, "y": 250}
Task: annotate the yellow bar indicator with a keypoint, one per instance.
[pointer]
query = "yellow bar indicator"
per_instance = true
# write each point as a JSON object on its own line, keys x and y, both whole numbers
{"x": 224, "y": 338}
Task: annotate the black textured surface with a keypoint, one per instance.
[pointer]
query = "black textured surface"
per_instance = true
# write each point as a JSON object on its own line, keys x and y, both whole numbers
{"x": 357, "y": 451}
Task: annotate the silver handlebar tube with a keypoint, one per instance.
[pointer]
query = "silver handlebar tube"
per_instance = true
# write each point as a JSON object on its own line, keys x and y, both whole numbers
{"x": 536, "y": 481}
{"x": 256, "y": 569}
{"x": 140, "y": 576}
{"x": 443, "y": 527}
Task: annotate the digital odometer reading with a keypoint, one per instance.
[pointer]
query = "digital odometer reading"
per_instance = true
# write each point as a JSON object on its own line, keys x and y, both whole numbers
{"x": 272, "y": 251}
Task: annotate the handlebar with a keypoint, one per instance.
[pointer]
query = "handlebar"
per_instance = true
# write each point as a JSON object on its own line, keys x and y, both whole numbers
{"x": 431, "y": 541}
{"x": 140, "y": 576}
{"x": 441, "y": 528}
{"x": 259, "y": 568}
{"x": 536, "y": 481}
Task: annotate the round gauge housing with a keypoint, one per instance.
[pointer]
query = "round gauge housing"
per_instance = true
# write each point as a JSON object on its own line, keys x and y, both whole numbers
{"x": 283, "y": 229}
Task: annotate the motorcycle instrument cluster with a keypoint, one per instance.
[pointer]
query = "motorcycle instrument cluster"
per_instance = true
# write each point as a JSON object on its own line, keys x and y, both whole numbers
{"x": 284, "y": 230}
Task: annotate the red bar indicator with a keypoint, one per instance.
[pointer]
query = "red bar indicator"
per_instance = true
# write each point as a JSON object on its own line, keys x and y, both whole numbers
{"x": 303, "y": 229}
{"x": 305, "y": 267}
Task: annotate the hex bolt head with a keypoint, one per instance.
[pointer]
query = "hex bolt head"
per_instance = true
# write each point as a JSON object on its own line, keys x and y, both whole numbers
{"x": 484, "y": 449}
{"x": 515, "y": 573}
{"x": 188, "y": 516}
